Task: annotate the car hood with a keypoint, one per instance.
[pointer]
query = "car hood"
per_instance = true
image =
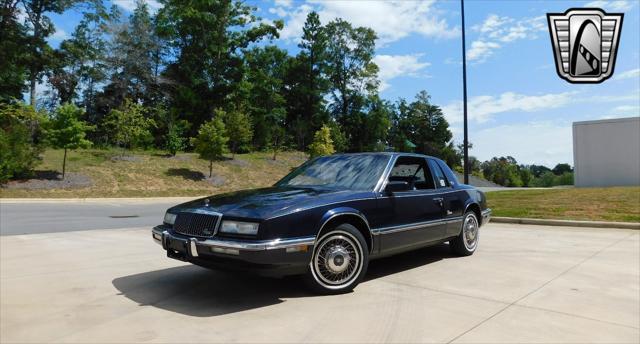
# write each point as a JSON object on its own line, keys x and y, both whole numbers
{"x": 266, "y": 202}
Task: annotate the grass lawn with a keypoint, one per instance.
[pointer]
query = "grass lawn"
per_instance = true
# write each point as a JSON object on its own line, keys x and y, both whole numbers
{"x": 590, "y": 204}
{"x": 153, "y": 174}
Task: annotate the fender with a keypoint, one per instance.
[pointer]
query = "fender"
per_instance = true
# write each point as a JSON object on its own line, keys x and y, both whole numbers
{"x": 344, "y": 211}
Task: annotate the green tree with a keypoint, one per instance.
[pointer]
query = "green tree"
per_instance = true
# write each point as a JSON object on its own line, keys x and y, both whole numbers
{"x": 337, "y": 137}
{"x": 13, "y": 51}
{"x": 207, "y": 39}
{"x": 503, "y": 171}
{"x": 80, "y": 66}
{"x": 66, "y": 130}
{"x": 352, "y": 75}
{"x": 265, "y": 70}
{"x": 538, "y": 170}
{"x": 174, "y": 141}
{"x": 211, "y": 141}
{"x": 560, "y": 169}
{"x": 41, "y": 27}
{"x": 322, "y": 143}
{"x": 428, "y": 128}
{"x": 21, "y": 140}
{"x": 128, "y": 126}
{"x": 238, "y": 126}
{"x": 307, "y": 83}
{"x": 526, "y": 176}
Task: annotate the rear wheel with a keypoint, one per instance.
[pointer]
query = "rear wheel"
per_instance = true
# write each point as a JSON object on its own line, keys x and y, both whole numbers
{"x": 340, "y": 260}
{"x": 466, "y": 242}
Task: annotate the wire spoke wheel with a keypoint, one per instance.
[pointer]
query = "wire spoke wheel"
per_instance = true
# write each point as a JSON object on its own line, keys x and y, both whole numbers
{"x": 338, "y": 260}
{"x": 470, "y": 232}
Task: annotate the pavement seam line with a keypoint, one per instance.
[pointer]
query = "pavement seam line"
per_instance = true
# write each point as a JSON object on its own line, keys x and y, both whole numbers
{"x": 542, "y": 286}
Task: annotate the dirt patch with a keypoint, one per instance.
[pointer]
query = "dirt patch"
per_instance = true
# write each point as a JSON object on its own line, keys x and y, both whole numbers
{"x": 44, "y": 180}
{"x": 130, "y": 158}
{"x": 216, "y": 180}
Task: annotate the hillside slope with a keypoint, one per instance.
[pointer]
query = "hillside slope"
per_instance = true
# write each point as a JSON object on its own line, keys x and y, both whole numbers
{"x": 104, "y": 173}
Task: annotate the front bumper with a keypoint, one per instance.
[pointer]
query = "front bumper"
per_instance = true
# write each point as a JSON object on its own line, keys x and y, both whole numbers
{"x": 486, "y": 216}
{"x": 268, "y": 257}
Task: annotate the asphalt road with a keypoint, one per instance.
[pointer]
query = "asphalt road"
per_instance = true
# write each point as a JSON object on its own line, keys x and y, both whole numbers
{"x": 64, "y": 216}
{"x": 525, "y": 284}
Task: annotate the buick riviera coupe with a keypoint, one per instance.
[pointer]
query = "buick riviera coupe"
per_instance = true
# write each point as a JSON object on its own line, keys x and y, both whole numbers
{"x": 328, "y": 218}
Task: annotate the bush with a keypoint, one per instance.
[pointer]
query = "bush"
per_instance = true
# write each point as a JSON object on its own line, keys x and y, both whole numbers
{"x": 20, "y": 140}
{"x": 322, "y": 143}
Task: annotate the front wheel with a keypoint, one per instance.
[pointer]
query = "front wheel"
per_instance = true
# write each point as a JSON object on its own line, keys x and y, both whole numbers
{"x": 339, "y": 262}
{"x": 467, "y": 241}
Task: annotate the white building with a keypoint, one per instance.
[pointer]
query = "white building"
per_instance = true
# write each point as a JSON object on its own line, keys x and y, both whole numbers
{"x": 607, "y": 152}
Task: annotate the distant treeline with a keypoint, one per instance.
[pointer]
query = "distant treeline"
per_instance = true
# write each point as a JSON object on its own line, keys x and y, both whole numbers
{"x": 198, "y": 75}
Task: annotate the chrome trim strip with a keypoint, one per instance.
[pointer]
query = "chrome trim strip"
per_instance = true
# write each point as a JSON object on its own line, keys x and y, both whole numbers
{"x": 486, "y": 216}
{"x": 427, "y": 192}
{"x": 262, "y": 245}
{"x": 382, "y": 182}
{"x": 415, "y": 225}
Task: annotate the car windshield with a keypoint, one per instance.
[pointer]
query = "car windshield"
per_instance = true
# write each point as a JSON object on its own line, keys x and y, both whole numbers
{"x": 350, "y": 172}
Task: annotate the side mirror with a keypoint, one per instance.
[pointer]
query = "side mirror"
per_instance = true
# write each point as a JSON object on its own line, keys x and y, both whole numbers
{"x": 396, "y": 186}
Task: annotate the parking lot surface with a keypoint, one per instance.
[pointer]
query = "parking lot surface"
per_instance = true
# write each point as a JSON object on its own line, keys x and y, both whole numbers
{"x": 525, "y": 284}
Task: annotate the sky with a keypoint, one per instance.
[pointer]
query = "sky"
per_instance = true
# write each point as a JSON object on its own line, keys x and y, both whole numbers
{"x": 517, "y": 104}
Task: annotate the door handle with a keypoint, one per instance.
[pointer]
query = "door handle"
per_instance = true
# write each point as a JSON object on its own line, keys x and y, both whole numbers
{"x": 439, "y": 200}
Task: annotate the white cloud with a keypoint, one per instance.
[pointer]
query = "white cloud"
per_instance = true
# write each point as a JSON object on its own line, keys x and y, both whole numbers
{"x": 619, "y": 5}
{"x": 630, "y": 74}
{"x": 130, "y": 5}
{"x": 59, "y": 35}
{"x": 626, "y": 110}
{"x": 495, "y": 31}
{"x": 391, "y": 20}
{"x": 393, "y": 66}
{"x": 284, "y": 3}
{"x": 546, "y": 143}
{"x": 481, "y": 50}
{"x": 482, "y": 108}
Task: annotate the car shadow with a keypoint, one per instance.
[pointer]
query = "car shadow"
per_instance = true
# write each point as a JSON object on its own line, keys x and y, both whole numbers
{"x": 195, "y": 291}
{"x": 185, "y": 173}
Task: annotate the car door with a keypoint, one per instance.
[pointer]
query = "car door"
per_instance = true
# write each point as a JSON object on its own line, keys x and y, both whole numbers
{"x": 413, "y": 217}
{"x": 452, "y": 203}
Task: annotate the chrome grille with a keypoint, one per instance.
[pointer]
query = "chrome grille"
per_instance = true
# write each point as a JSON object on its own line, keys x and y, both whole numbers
{"x": 196, "y": 224}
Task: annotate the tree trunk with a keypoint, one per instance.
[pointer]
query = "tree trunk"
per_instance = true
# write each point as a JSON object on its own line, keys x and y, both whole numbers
{"x": 275, "y": 149}
{"x": 210, "y": 168}
{"x": 32, "y": 90}
{"x": 233, "y": 151}
{"x": 64, "y": 163}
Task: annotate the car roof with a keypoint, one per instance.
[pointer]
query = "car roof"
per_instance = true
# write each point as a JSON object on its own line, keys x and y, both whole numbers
{"x": 391, "y": 154}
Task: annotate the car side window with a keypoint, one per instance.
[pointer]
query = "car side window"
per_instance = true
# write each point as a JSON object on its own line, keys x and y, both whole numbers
{"x": 414, "y": 171}
{"x": 441, "y": 180}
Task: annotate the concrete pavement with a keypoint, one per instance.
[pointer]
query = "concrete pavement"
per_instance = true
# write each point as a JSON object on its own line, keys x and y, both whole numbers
{"x": 526, "y": 284}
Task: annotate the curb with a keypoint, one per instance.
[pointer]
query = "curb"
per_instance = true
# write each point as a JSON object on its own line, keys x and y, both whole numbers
{"x": 99, "y": 200}
{"x": 570, "y": 223}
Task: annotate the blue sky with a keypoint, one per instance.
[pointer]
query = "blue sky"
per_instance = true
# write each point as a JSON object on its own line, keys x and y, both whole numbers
{"x": 518, "y": 105}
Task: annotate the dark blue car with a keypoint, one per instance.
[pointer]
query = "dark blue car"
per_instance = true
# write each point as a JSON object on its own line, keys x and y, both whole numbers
{"x": 328, "y": 218}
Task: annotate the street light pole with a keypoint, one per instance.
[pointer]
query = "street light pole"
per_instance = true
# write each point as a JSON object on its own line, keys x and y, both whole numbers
{"x": 464, "y": 101}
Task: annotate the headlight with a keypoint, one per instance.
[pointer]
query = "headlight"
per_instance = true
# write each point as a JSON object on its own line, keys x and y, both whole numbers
{"x": 238, "y": 227}
{"x": 169, "y": 218}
